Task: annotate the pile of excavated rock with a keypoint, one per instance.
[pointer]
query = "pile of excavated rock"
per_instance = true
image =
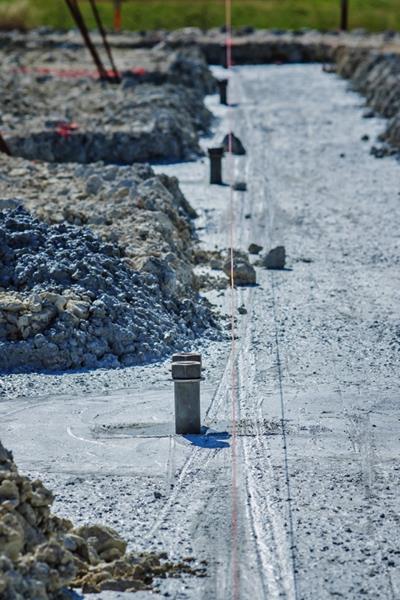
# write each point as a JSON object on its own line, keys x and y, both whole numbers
{"x": 376, "y": 75}
{"x": 41, "y": 554}
{"x": 156, "y": 112}
{"x": 249, "y": 45}
{"x": 104, "y": 278}
{"x": 173, "y": 117}
{"x": 70, "y": 300}
{"x": 144, "y": 213}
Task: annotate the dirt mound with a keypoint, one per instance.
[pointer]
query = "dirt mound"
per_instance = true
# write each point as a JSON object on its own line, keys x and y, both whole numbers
{"x": 156, "y": 113}
{"x": 376, "y": 75}
{"x": 146, "y": 214}
{"x": 69, "y": 300}
{"x": 40, "y": 554}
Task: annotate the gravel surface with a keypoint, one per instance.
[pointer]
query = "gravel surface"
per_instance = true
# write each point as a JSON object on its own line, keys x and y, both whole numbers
{"x": 317, "y": 356}
{"x": 316, "y": 366}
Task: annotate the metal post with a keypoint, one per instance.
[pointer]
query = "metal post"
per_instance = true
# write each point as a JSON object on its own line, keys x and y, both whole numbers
{"x": 187, "y": 357}
{"x": 344, "y": 15}
{"x": 223, "y": 87}
{"x": 224, "y": 61}
{"x": 216, "y": 155}
{"x": 77, "y": 16}
{"x": 96, "y": 14}
{"x": 187, "y": 376}
{"x": 4, "y": 146}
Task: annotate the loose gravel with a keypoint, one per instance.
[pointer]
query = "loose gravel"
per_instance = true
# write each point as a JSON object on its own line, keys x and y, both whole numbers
{"x": 70, "y": 301}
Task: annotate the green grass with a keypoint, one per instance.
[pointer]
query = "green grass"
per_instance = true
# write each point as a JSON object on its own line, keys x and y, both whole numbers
{"x": 374, "y": 15}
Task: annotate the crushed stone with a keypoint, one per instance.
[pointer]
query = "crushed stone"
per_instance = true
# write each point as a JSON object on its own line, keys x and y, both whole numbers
{"x": 376, "y": 75}
{"x": 233, "y": 144}
{"x": 69, "y": 300}
{"x": 275, "y": 258}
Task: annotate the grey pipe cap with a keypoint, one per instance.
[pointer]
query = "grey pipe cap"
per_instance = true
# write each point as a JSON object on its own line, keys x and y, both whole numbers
{"x": 217, "y": 151}
{"x": 186, "y": 370}
{"x": 186, "y": 357}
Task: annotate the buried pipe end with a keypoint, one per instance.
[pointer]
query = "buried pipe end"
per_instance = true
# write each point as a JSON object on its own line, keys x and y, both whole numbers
{"x": 223, "y": 88}
{"x": 186, "y": 357}
{"x": 186, "y": 375}
{"x": 215, "y": 154}
{"x": 186, "y": 370}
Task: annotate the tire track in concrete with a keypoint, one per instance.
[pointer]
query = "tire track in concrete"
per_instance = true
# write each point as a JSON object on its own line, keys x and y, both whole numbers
{"x": 277, "y": 556}
{"x": 269, "y": 534}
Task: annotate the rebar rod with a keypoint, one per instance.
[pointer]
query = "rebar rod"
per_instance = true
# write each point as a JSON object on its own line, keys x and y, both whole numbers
{"x": 103, "y": 34}
{"x": 344, "y": 15}
{"x": 117, "y": 15}
{"x": 4, "y": 146}
{"x": 77, "y": 16}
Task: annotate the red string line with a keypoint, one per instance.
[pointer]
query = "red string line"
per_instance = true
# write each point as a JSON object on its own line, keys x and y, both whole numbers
{"x": 234, "y": 489}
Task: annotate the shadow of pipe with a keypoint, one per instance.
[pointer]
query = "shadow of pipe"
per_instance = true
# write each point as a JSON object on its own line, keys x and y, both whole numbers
{"x": 209, "y": 438}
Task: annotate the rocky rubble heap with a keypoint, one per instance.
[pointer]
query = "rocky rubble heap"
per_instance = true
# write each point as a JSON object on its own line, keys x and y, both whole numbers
{"x": 144, "y": 213}
{"x": 250, "y": 46}
{"x": 69, "y": 300}
{"x": 40, "y": 554}
{"x": 376, "y": 75}
{"x": 154, "y": 115}
{"x": 262, "y": 46}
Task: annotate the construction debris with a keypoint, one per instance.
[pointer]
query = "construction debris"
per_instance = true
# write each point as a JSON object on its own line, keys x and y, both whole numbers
{"x": 243, "y": 272}
{"x": 275, "y": 258}
{"x": 375, "y": 74}
{"x": 254, "y": 249}
{"x": 156, "y": 113}
{"x": 231, "y": 143}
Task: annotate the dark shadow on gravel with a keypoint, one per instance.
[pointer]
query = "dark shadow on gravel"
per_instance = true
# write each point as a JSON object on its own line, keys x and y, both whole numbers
{"x": 209, "y": 439}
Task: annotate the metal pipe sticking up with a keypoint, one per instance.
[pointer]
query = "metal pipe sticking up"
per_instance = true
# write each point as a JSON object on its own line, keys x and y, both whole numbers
{"x": 77, "y": 16}
{"x": 344, "y": 15}
{"x": 223, "y": 88}
{"x": 187, "y": 357}
{"x": 216, "y": 155}
{"x": 96, "y": 14}
{"x": 186, "y": 375}
{"x": 4, "y": 146}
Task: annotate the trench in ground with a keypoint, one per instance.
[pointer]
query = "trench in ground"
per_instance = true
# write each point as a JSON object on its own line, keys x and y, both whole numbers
{"x": 316, "y": 366}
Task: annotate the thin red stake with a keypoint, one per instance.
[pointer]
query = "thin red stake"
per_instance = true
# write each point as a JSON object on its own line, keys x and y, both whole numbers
{"x": 117, "y": 15}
